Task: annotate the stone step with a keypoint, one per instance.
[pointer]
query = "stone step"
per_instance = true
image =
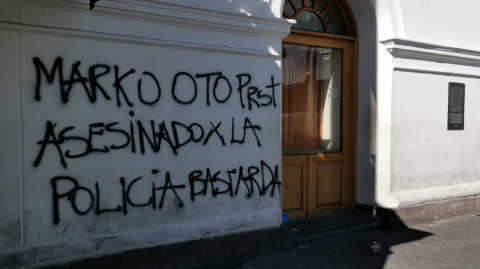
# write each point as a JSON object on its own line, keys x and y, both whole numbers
{"x": 331, "y": 224}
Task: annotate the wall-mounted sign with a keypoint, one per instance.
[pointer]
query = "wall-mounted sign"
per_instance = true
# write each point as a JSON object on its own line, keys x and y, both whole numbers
{"x": 456, "y": 106}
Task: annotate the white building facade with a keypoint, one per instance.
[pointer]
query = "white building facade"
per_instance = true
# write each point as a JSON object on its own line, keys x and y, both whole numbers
{"x": 146, "y": 123}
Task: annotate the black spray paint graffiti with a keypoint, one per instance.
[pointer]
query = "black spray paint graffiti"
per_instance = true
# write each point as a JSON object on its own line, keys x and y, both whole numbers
{"x": 141, "y": 135}
{"x": 146, "y": 135}
{"x": 221, "y": 91}
{"x": 263, "y": 180}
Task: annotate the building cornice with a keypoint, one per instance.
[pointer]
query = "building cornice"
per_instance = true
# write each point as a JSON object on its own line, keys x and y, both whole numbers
{"x": 166, "y": 13}
{"x": 135, "y": 40}
{"x": 145, "y": 22}
{"x": 412, "y": 49}
{"x": 436, "y": 72}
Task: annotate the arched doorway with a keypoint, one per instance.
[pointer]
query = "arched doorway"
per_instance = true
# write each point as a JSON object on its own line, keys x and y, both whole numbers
{"x": 319, "y": 65}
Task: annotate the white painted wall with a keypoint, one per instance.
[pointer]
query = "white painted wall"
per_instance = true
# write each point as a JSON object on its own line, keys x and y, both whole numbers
{"x": 443, "y": 22}
{"x": 443, "y": 164}
{"x": 405, "y": 155}
{"x": 429, "y": 162}
{"x": 10, "y": 198}
{"x": 409, "y": 52}
{"x": 424, "y": 45}
{"x": 163, "y": 39}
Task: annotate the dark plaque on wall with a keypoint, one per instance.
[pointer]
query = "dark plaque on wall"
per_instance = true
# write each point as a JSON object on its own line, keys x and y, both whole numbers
{"x": 456, "y": 106}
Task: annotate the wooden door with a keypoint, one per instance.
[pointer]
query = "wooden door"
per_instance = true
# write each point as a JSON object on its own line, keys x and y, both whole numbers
{"x": 318, "y": 124}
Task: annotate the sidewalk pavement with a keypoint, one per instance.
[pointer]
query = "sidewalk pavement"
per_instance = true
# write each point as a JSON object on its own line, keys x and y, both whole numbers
{"x": 453, "y": 243}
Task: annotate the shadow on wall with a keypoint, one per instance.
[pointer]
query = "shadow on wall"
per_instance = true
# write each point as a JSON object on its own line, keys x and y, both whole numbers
{"x": 364, "y": 13}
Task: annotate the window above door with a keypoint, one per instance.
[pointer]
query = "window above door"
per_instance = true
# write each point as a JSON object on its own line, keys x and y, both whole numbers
{"x": 324, "y": 16}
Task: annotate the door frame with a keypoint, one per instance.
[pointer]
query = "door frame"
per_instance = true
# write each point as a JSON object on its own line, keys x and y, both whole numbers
{"x": 349, "y": 45}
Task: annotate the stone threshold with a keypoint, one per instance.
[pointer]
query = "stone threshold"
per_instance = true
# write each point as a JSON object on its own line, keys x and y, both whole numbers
{"x": 331, "y": 224}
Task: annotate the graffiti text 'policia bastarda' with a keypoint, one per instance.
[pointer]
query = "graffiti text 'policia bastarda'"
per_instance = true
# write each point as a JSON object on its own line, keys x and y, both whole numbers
{"x": 155, "y": 135}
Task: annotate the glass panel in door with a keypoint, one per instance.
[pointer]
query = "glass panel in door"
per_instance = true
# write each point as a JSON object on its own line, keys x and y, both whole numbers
{"x": 312, "y": 100}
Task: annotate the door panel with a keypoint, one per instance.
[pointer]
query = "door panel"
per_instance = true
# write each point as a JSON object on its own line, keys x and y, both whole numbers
{"x": 325, "y": 183}
{"x": 328, "y": 178}
{"x": 294, "y": 181}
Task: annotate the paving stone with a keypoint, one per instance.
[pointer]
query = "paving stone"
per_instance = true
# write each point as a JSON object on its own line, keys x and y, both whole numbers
{"x": 254, "y": 243}
{"x": 369, "y": 263}
{"x": 422, "y": 251}
{"x": 264, "y": 262}
{"x": 302, "y": 264}
{"x": 347, "y": 257}
{"x": 292, "y": 256}
{"x": 246, "y": 266}
{"x": 331, "y": 241}
{"x": 323, "y": 261}
{"x": 401, "y": 259}
{"x": 460, "y": 242}
{"x": 465, "y": 255}
{"x": 467, "y": 265}
{"x": 345, "y": 266}
{"x": 426, "y": 264}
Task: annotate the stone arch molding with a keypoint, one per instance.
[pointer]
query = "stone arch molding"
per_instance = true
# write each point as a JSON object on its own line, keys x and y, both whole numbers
{"x": 388, "y": 14}
{"x": 390, "y": 18}
{"x": 276, "y": 7}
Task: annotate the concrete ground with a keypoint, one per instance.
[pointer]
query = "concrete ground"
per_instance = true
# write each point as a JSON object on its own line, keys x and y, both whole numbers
{"x": 453, "y": 243}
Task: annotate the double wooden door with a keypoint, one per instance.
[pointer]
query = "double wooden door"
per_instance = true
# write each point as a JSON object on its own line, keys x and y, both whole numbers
{"x": 318, "y": 124}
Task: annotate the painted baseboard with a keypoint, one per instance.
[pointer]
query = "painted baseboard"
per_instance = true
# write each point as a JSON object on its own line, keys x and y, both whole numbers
{"x": 223, "y": 250}
{"x": 428, "y": 212}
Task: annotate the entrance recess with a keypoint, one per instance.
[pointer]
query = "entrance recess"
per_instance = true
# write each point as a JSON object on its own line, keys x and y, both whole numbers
{"x": 319, "y": 108}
